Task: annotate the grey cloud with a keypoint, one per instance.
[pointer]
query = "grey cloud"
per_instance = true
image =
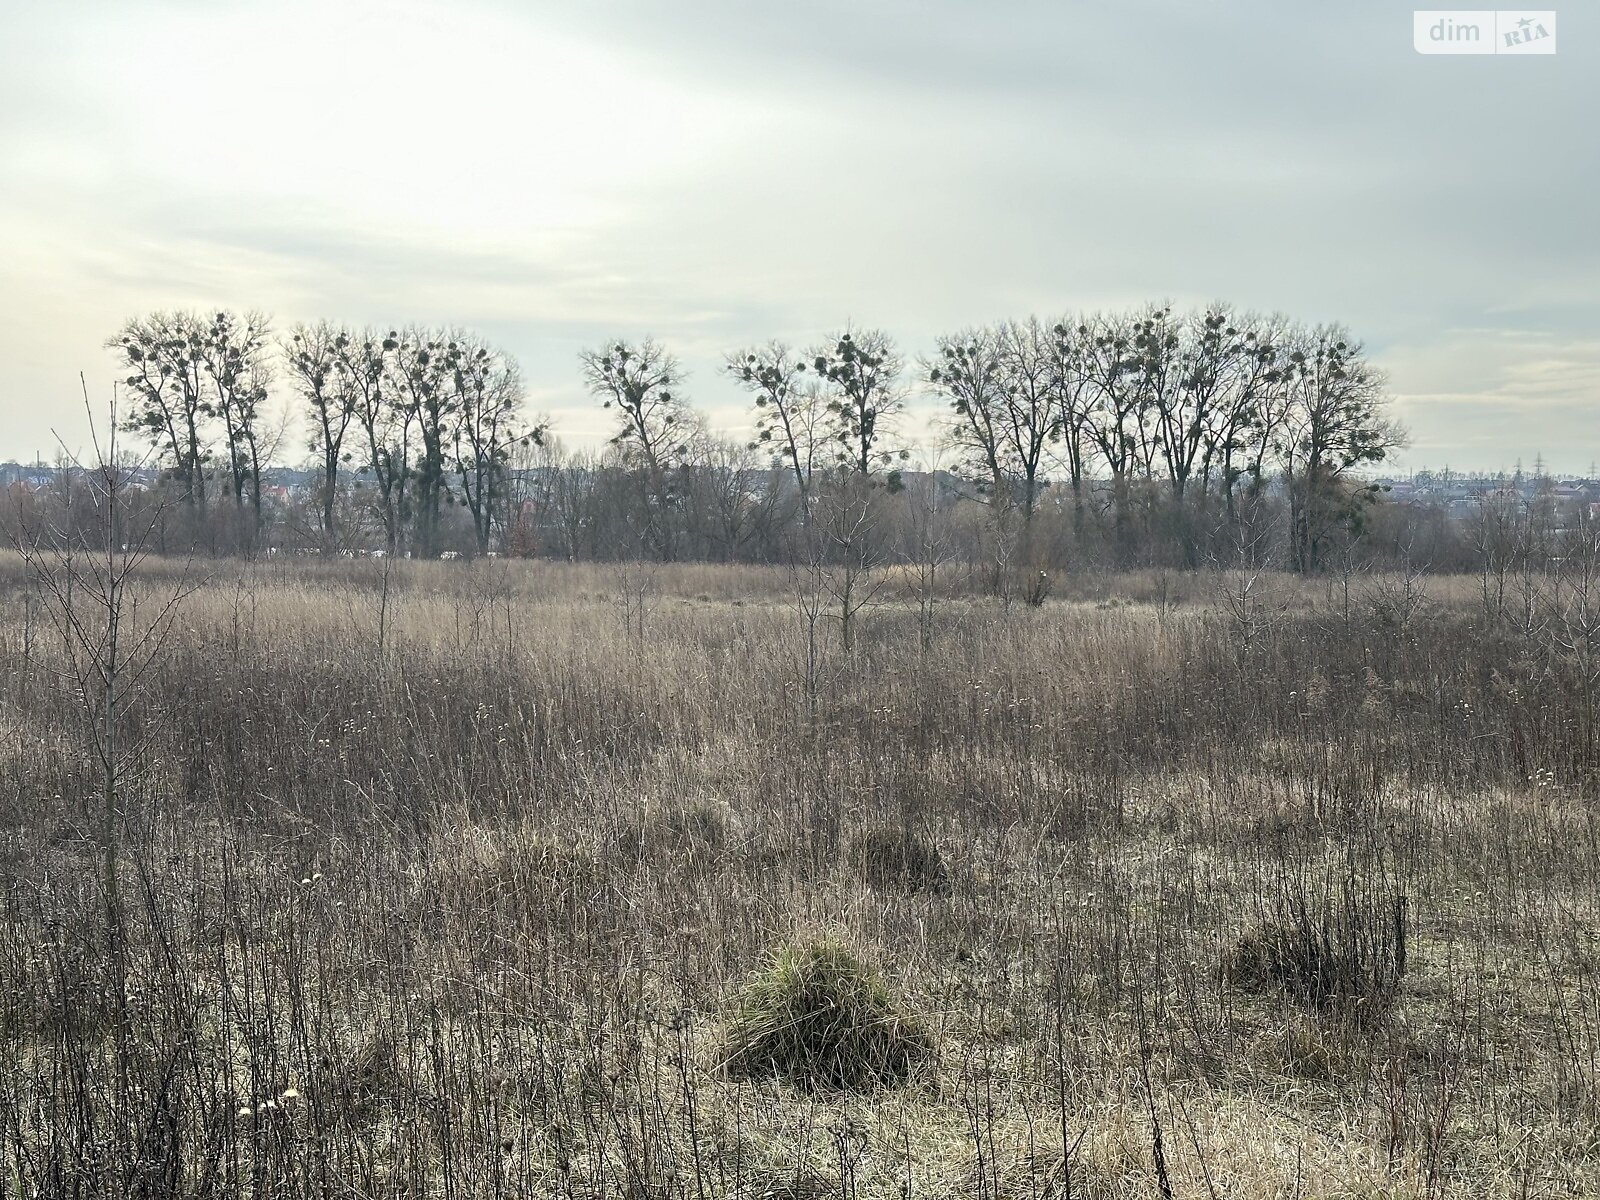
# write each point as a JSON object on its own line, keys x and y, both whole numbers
{"x": 923, "y": 166}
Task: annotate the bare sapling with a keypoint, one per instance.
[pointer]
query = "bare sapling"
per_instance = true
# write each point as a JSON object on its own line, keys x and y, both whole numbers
{"x": 84, "y": 567}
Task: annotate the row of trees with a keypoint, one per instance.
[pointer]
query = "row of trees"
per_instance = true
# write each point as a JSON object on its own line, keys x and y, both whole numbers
{"x": 415, "y": 419}
{"x": 1209, "y": 404}
{"x": 1212, "y": 405}
{"x": 1145, "y": 423}
{"x": 194, "y": 382}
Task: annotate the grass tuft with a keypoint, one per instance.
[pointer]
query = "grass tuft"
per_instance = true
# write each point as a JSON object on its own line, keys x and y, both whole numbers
{"x": 693, "y": 836}
{"x": 894, "y": 858}
{"x": 1342, "y": 954}
{"x": 821, "y": 1020}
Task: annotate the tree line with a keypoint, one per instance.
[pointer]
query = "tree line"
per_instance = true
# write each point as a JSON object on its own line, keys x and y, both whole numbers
{"x": 1134, "y": 434}
{"x": 416, "y": 418}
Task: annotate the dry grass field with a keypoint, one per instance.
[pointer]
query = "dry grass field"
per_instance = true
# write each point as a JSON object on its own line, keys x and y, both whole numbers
{"x": 464, "y": 880}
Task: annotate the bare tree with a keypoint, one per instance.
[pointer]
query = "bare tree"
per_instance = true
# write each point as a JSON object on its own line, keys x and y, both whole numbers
{"x": 789, "y": 410}
{"x": 1243, "y": 595}
{"x": 654, "y": 424}
{"x": 164, "y": 355}
{"x": 833, "y": 574}
{"x": 1576, "y": 624}
{"x": 385, "y": 426}
{"x": 726, "y": 493}
{"x": 809, "y": 598}
{"x": 234, "y": 351}
{"x": 926, "y": 545}
{"x": 1073, "y": 388}
{"x": 1001, "y": 384}
{"x": 1202, "y": 376}
{"x": 488, "y": 428}
{"x": 1497, "y": 532}
{"x": 637, "y": 588}
{"x": 85, "y": 574}
{"x": 849, "y": 538}
{"x": 641, "y": 382}
{"x": 318, "y": 358}
{"x": 569, "y": 494}
{"x": 422, "y": 366}
{"x": 1335, "y": 422}
{"x": 861, "y": 369}
{"x": 1193, "y": 369}
{"x": 1026, "y": 352}
{"x": 967, "y": 373}
{"x": 1154, "y": 368}
{"x": 1107, "y": 353}
{"x": 1242, "y": 419}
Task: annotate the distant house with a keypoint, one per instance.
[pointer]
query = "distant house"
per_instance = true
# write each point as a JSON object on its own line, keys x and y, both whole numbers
{"x": 34, "y": 477}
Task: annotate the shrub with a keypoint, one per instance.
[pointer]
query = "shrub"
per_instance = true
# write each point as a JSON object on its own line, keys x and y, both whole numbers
{"x": 898, "y": 858}
{"x": 367, "y": 1078}
{"x": 1336, "y": 953}
{"x": 820, "y": 1019}
{"x": 694, "y": 835}
{"x": 496, "y": 881}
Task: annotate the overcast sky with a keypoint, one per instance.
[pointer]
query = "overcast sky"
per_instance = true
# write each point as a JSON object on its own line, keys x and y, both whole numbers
{"x": 715, "y": 172}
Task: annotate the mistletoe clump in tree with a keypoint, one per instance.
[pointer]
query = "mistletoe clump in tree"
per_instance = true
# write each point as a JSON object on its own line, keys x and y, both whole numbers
{"x": 654, "y": 424}
{"x": 789, "y": 410}
{"x": 861, "y": 370}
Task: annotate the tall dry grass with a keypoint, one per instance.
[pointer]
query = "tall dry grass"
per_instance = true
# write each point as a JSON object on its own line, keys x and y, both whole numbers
{"x": 442, "y": 880}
